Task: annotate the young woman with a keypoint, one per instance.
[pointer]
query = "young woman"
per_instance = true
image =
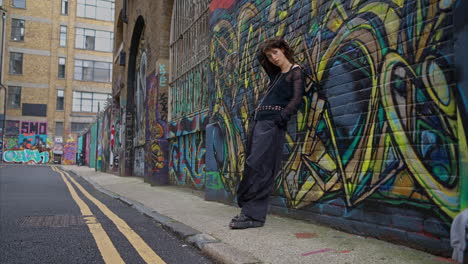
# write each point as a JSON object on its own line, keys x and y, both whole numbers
{"x": 266, "y": 137}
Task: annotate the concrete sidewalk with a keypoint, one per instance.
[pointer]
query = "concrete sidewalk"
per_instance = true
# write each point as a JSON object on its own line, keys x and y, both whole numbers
{"x": 204, "y": 224}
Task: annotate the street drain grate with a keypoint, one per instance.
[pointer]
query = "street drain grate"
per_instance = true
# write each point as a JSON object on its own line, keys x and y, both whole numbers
{"x": 52, "y": 220}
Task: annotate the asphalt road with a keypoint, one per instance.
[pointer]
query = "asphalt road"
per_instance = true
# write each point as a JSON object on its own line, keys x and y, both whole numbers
{"x": 47, "y": 217}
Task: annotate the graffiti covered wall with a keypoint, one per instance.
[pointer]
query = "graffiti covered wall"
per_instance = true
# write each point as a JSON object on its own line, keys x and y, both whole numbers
{"x": 69, "y": 150}
{"x": 189, "y": 93}
{"x": 117, "y": 128}
{"x": 187, "y": 151}
{"x": 26, "y": 142}
{"x": 376, "y": 144}
{"x": 92, "y": 146}
{"x": 139, "y": 121}
{"x": 104, "y": 138}
{"x": 156, "y": 163}
{"x": 87, "y": 147}
{"x": 189, "y": 101}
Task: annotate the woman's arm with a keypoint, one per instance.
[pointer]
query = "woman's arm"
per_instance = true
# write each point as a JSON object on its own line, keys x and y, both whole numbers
{"x": 299, "y": 89}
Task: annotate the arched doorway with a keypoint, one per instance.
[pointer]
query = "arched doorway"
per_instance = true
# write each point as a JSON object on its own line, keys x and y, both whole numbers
{"x": 136, "y": 93}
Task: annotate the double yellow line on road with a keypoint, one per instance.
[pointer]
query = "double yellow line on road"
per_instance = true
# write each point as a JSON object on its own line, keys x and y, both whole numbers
{"x": 106, "y": 247}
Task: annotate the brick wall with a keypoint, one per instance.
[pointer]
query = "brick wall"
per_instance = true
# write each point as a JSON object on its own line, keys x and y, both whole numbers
{"x": 142, "y": 114}
{"x": 41, "y": 50}
{"x": 377, "y": 148}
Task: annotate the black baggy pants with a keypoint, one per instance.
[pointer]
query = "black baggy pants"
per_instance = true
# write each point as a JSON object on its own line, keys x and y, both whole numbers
{"x": 263, "y": 162}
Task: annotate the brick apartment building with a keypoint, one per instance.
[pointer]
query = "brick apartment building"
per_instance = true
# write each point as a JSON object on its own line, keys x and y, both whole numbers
{"x": 57, "y": 69}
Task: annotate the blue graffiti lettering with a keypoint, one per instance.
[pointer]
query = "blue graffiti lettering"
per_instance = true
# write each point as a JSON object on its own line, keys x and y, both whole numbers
{"x": 25, "y": 156}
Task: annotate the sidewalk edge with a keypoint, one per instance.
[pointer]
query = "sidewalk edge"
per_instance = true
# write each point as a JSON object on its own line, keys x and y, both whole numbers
{"x": 212, "y": 247}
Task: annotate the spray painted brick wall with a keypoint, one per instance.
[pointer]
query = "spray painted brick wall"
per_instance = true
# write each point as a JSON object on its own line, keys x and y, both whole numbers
{"x": 376, "y": 148}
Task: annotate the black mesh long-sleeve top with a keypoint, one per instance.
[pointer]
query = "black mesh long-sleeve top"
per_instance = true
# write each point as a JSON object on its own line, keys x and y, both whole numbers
{"x": 285, "y": 96}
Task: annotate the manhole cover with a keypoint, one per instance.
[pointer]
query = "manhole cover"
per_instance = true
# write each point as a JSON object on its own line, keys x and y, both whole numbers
{"x": 52, "y": 220}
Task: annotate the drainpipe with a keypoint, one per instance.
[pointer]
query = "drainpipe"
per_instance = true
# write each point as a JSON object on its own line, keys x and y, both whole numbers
{"x": 124, "y": 12}
{"x": 3, "y": 42}
{"x": 2, "y": 51}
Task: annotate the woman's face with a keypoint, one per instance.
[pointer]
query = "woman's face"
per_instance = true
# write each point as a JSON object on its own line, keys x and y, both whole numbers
{"x": 277, "y": 57}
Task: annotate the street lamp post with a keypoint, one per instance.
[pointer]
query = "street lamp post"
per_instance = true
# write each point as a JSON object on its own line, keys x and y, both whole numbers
{"x": 97, "y": 137}
{"x": 1, "y": 82}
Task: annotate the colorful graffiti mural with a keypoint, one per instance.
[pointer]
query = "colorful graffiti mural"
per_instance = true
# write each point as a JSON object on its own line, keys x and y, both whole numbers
{"x": 69, "y": 151}
{"x": 12, "y": 128}
{"x": 187, "y": 151}
{"x": 33, "y": 128}
{"x": 116, "y": 146}
{"x": 156, "y": 163}
{"x": 189, "y": 93}
{"x": 26, "y": 156}
{"x": 382, "y": 122}
{"x": 105, "y": 154}
{"x": 92, "y": 149}
{"x": 26, "y": 142}
{"x": 26, "y": 135}
{"x": 10, "y": 142}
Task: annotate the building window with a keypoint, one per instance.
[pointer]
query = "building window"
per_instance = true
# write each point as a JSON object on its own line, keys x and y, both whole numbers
{"x": 19, "y": 3}
{"x": 78, "y": 127}
{"x": 63, "y": 36}
{"x": 33, "y": 109}
{"x": 65, "y": 7}
{"x": 61, "y": 67}
{"x": 89, "y": 102}
{"x": 93, "y": 71}
{"x": 14, "y": 97}
{"x": 90, "y": 9}
{"x": 91, "y": 39}
{"x": 190, "y": 30}
{"x": 16, "y": 63}
{"x": 17, "y": 29}
{"x": 58, "y": 129}
{"x": 85, "y": 38}
{"x": 60, "y": 100}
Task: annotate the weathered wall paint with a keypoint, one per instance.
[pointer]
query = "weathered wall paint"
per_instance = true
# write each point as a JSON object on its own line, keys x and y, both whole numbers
{"x": 25, "y": 156}
{"x": 26, "y": 142}
{"x": 104, "y": 143}
{"x": 156, "y": 160}
{"x": 189, "y": 93}
{"x": 69, "y": 151}
{"x": 377, "y": 143}
{"x": 92, "y": 146}
{"x": 88, "y": 147}
{"x": 32, "y": 134}
{"x": 139, "y": 99}
{"x": 80, "y": 144}
{"x": 116, "y": 145}
{"x": 187, "y": 153}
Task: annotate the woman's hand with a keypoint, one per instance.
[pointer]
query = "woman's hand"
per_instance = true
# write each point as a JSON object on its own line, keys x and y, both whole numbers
{"x": 281, "y": 122}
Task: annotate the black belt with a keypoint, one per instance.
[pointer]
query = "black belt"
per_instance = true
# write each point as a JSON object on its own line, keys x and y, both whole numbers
{"x": 269, "y": 108}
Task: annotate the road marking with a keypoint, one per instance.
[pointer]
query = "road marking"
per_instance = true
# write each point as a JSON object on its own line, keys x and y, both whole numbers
{"x": 106, "y": 247}
{"x": 145, "y": 251}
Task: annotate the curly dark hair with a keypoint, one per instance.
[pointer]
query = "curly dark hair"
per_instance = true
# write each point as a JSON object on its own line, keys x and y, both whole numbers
{"x": 274, "y": 43}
